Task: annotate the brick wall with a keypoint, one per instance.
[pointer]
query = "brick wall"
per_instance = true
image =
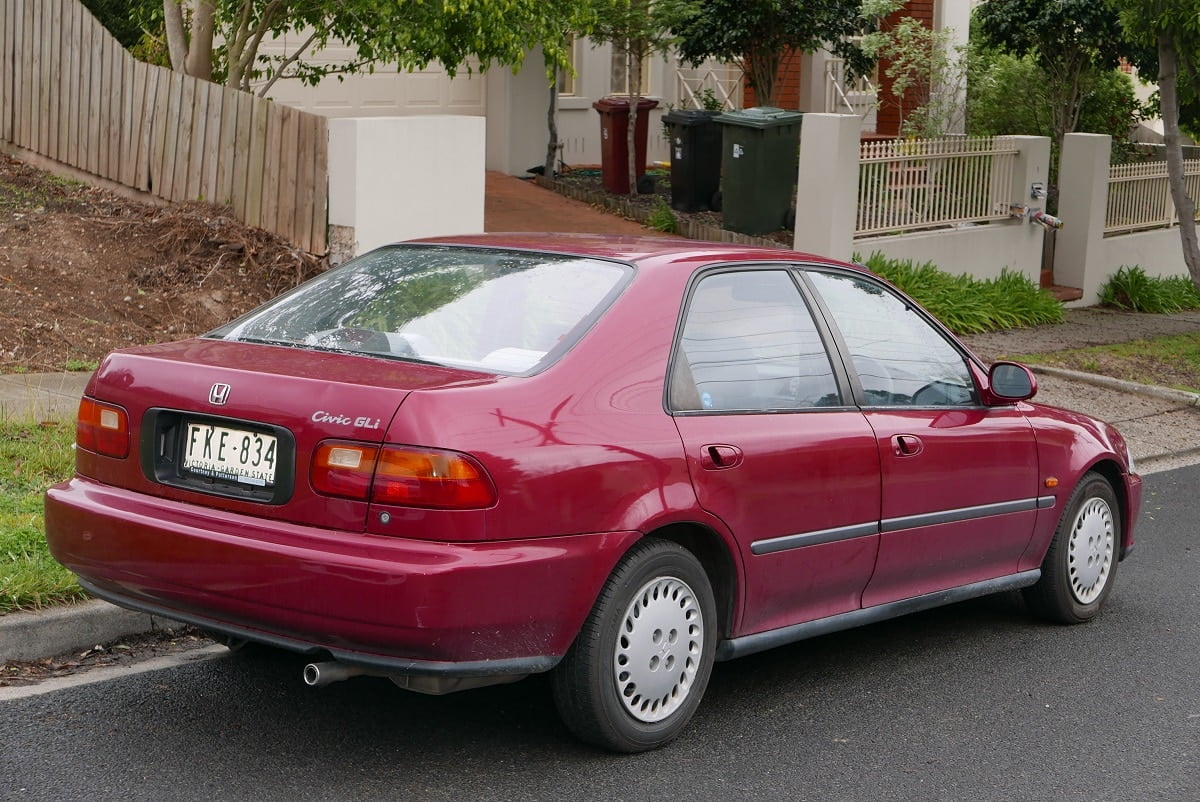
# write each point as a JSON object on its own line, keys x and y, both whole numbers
{"x": 888, "y": 121}
{"x": 787, "y": 85}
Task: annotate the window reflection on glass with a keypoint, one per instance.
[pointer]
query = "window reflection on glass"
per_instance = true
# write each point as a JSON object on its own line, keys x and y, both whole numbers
{"x": 491, "y": 310}
{"x": 900, "y": 359}
{"x": 749, "y": 343}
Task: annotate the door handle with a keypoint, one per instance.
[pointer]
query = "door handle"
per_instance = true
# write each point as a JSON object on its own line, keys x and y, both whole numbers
{"x": 907, "y": 445}
{"x": 720, "y": 457}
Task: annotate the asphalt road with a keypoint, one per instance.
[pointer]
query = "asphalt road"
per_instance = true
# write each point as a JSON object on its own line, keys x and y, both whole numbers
{"x": 975, "y": 702}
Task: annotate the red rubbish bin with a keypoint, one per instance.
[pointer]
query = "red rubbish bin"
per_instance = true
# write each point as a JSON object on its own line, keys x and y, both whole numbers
{"x": 614, "y": 144}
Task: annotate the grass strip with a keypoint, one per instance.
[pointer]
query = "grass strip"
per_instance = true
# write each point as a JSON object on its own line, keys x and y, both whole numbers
{"x": 1172, "y": 361}
{"x": 33, "y": 456}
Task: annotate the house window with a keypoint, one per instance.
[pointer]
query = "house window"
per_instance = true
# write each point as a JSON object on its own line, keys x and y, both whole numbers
{"x": 620, "y": 72}
{"x": 567, "y": 77}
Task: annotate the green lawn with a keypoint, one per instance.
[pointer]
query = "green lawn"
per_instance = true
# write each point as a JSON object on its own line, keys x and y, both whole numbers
{"x": 1163, "y": 361}
{"x": 32, "y": 457}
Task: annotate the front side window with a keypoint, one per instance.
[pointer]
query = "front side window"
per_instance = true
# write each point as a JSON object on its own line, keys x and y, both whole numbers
{"x": 749, "y": 344}
{"x": 492, "y": 310}
{"x": 899, "y": 357}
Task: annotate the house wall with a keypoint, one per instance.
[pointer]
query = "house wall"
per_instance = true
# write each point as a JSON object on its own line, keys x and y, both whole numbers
{"x": 579, "y": 123}
{"x": 513, "y": 104}
{"x": 387, "y": 92}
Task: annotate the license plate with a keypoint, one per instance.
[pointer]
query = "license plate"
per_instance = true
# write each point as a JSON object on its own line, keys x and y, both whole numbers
{"x": 235, "y": 455}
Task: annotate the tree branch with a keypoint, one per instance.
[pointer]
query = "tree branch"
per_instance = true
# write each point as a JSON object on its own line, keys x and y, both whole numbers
{"x": 283, "y": 65}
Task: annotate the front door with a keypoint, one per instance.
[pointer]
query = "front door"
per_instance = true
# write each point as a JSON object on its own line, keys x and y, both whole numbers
{"x": 959, "y": 480}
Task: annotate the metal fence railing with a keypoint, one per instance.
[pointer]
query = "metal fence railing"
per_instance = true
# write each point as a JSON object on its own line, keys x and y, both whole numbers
{"x": 907, "y": 185}
{"x": 1139, "y": 196}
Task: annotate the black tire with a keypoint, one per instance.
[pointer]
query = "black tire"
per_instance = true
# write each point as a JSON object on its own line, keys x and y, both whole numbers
{"x": 1081, "y": 563}
{"x": 654, "y": 622}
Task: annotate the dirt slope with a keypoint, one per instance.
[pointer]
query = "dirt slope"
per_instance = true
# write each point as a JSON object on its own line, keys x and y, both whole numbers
{"x": 83, "y": 271}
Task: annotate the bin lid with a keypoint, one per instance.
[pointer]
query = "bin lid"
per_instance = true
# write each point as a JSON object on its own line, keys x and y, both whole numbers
{"x": 760, "y": 117}
{"x": 621, "y": 103}
{"x": 689, "y": 117}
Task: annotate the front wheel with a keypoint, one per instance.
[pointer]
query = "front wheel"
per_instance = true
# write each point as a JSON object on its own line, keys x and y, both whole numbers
{"x": 1081, "y": 563}
{"x": 639, "y": 667}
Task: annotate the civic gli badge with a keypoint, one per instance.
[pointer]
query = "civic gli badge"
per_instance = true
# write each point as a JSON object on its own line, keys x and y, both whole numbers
{"x": 219, "y": 394}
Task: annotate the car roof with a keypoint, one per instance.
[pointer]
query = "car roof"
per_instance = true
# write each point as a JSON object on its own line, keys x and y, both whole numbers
{"x": 631, "y": 249}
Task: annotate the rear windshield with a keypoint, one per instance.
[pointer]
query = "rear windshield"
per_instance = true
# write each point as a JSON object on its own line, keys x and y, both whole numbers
{"x": 492, "y": 310}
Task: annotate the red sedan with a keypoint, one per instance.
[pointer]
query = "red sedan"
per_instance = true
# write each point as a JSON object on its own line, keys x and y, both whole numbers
{"x": 462, "y": 461}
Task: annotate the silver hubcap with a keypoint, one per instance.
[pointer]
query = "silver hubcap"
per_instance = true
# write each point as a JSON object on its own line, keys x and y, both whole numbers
{"x": 1090, "y": 550}
{"x": 658, "y": 649}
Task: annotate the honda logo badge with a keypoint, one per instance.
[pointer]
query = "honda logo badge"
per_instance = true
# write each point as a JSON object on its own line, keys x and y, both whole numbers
{"x": 219, "y": 394}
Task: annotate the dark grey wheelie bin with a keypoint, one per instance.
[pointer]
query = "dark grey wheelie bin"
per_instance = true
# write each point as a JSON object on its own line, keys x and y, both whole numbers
{"x": 695, "y": 158}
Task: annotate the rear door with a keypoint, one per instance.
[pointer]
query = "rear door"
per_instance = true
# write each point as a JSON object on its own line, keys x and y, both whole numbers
{"x": 959, "y": 480}
{"x": 773, "y": 447}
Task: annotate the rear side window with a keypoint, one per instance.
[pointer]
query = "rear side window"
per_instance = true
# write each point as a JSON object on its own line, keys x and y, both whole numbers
{"x": 494, "y": 310}
{"x": 749, "y": 344}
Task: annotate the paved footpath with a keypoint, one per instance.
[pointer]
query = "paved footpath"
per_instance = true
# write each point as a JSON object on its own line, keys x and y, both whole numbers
{"x": 1161, "y": 425}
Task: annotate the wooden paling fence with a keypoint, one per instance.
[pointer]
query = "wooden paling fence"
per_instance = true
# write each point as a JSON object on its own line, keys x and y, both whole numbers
{"x": 70, "y": 92}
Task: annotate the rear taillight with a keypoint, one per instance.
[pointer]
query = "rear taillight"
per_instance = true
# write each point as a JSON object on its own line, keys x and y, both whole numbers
{"x": 102, "y": 428}
{"x": 403, "y": 476}
{"x": 344, "y": 469}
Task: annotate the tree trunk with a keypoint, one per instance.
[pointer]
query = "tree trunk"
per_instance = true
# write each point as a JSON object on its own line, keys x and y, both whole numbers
{"x": 177, "y": 41}
{"x": 552, "y": 124}
{"x": 764, "y": 68}
{"x": 200, "y": 50}
{"x": 633, "y": 69}
{"x": 1185, "y": 207}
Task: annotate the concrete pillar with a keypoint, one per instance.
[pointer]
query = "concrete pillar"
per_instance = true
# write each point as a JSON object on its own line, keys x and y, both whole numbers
{"x": 1082, "y": 206}
{"x": 397, "y": 178}
{"x": 1031, "y": 168}
{"x": 812, "y": 81}
{"x": 827, "y": 184}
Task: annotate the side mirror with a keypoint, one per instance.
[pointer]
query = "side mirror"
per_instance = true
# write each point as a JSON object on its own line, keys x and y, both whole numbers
{"x": 1010, "y": 382}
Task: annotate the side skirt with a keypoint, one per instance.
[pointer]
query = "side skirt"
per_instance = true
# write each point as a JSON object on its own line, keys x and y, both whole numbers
{"x": 761, "y": 641}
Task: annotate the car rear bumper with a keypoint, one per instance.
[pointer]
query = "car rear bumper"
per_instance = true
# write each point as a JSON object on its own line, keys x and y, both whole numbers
{"x": 408, "y": 606}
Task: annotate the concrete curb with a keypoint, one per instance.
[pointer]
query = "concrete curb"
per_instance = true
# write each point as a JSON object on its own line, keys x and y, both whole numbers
{"x": 61, "y": 630}
{"x": 1165, "y": 393}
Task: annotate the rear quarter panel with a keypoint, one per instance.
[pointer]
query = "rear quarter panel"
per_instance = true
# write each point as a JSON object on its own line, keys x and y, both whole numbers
{"x": 584, "y": 446}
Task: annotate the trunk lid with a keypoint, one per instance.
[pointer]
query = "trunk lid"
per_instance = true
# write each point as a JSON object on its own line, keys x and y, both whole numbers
{"x": 234, "y": 425}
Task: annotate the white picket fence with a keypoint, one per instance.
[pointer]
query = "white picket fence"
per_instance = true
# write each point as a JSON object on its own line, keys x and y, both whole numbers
{"x": 908, "y": 185}
{"x": 1139, "y": 196}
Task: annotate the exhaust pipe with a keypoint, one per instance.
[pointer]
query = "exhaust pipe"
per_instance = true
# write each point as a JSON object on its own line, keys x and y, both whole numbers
{"x": 321, "y": 674}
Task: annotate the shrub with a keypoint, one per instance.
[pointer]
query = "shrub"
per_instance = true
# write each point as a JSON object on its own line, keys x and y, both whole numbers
{"x": 968, "y": 305}
{"x": 662, "y": 218}
{"x": 1130, "y": 288}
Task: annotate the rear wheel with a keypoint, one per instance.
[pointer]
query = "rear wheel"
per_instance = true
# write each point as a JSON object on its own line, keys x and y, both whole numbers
{"x": 639, "y": 667}
{"x": 1081, "y": 564}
